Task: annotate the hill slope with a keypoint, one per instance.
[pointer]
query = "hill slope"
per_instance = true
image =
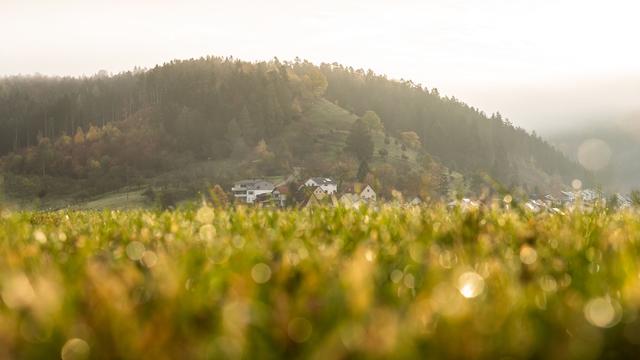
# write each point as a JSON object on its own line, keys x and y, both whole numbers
{"x": 213, "y": 120}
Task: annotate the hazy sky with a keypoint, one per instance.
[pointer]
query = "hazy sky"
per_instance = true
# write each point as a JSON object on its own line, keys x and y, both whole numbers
{"x": 541, "y": 63}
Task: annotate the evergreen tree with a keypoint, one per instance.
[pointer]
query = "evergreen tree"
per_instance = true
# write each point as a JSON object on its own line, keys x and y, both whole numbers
{"x": 360, "y": 142}
{"x": 363, "y": 171}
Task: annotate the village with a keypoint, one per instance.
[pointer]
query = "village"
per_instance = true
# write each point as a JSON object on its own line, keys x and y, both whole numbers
{"x": 326, "y": 191}
{"x": 313, "y": 191}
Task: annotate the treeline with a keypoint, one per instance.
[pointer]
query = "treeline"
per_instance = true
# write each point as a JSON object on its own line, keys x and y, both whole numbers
{"x": 462, "y": 137}
{"x": 146, "y": 121}
{"x": 194, "y": 101}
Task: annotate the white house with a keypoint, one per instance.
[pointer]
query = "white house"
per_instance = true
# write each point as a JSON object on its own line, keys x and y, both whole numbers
{"x": 329, "y": 186}
{"x": 624, "y": 201}
{"x": 362, "y": 192}
{"x": 351, "y": 201}
{"x": 586, "y": 196}
{"x": 247, "y": 191}
{"x": 368, "y": 193}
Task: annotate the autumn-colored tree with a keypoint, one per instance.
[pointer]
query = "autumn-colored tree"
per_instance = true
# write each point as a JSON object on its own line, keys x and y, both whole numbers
{"x": 411, "y": 139}
{"x": 218, "y": 197}
{"x": 316, "y": 80}
{"x": 93, "y": 134}
{"x": 373, "y": 121}
{"x": 262, "y": 150}
{"x": 79, "y": 137}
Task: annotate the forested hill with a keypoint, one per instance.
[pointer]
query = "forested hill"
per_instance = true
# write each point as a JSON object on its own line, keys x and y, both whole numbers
{"x": 193, "y": 100}
{"x": 145, "y": 122}
{"x": 463, "y": 137}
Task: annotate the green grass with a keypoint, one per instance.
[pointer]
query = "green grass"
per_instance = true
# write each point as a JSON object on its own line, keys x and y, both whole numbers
{"x": 118, "y": 200}
{"x": 320, "y": 283}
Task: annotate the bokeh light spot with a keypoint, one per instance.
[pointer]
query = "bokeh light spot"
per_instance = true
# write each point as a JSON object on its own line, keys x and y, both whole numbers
{"x": 75, "y": 349}
{"x": 594, "y": 154}
{"x": 205, "y": 215}
{"x": 134, "y": 250}
{"x": 396, "y": 276}
{"x": 299, "y": 330}
{"x": 528, "y": 255}
{"x": 207, "y": 232}
{"x": 409, "y": 281}
{"x": 149, "y": 258}
{"x": 603, "y": 312}
{"x": 576, "y": 184}
{"x": 261, "y": 273}
{"x": 40, "y": 236}
{"x": 470, "y": 284}
{"x": 17, "y": 291}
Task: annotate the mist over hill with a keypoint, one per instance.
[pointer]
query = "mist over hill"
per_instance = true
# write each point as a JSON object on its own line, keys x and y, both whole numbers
{"x": 257, "y": 119}
{"x": 558, "y": 104}
{"x": 610, "y": 149}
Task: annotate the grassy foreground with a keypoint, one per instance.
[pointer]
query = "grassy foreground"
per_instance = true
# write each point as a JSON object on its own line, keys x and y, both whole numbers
{"x": 322, "y": 283}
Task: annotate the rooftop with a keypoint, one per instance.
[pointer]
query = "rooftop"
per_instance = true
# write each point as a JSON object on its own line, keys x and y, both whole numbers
{"x": 323, "y": 181}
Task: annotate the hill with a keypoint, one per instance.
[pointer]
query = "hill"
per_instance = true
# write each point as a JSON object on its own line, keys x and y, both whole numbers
{"x": 190, "y": 123}
{"x": 609, "y": 149}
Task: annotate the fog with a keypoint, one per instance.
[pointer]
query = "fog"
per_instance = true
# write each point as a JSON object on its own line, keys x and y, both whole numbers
{"x": 547, "y": 66}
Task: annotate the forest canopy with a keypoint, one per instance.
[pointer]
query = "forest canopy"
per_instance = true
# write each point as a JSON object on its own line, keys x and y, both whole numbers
{"x": 149, "y": 121}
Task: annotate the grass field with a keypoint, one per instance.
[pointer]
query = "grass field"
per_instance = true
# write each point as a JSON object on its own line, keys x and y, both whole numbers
{"x": 321, "y": 283}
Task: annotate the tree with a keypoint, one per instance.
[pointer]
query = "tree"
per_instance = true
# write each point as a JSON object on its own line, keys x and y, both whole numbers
{"x": 343, "y": 169}
{"x": 411, "y": 139}
{"x": 359, "y": 141}
{"x": 234, "y": 136}
{"x": 93, "y": 134}
{"x": 247, "y": 127}
{"x": 612, "y": 203}
{"x": 458, "y": 187}
{"x": 317, "y": 81}
{"x": 372, "y": 120}
{"x": 78, "y": 138}
{"x": 1, "y": 191}
{"x": 166, "y": 199}
{"x": 44, "y": 153}
{"x": 635, "y": 198}
{"x": 363, "y": 171}
{"x": 262, "y": 150}
{"x": 218, "y": 196}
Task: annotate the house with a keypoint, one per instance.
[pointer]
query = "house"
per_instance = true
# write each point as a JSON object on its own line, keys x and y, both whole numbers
{"x": 247, "y": 191}
{"x": 624, "y": 201}
{"x": 551, "y": 201}
{"x": 329, "y": 186}
{"x": 349, "y": 200}
{"x": 464, "y": 204}
{"x": 319, "y": 192}
{"x": 317, "y": 197}
{"x": 363, "y": 191}
{"x": 585, "y": 197}
{"x": 536, "y": 205}
{"x": 567, "y": 197}
{"x": 368, "y": 193}
{"x": 280, "y": 194}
